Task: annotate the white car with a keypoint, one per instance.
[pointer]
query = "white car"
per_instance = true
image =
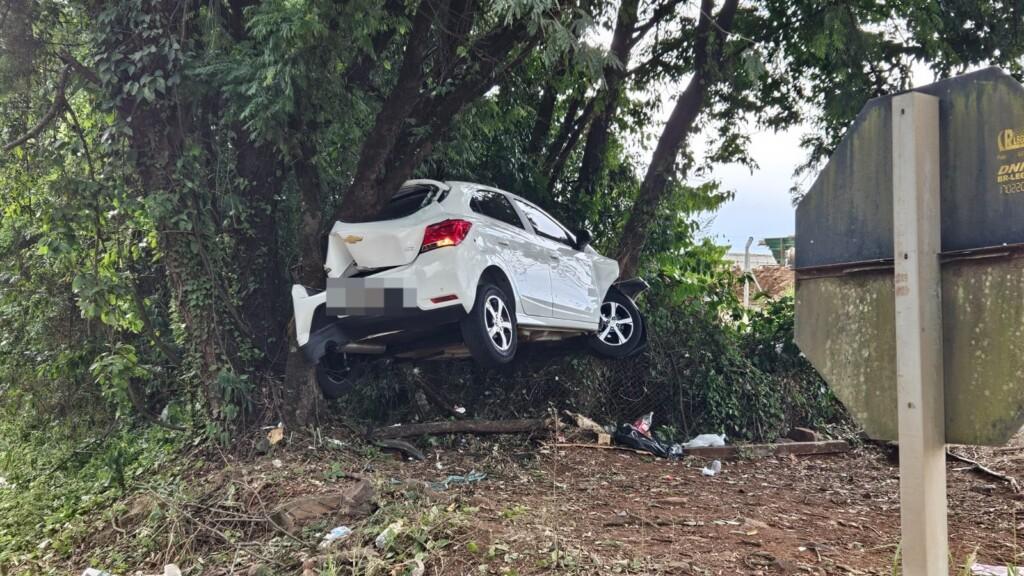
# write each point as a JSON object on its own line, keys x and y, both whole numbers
{"x": 451, "y": 269}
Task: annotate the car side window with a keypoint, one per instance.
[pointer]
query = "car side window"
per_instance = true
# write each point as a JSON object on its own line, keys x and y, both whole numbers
{"x": 495, "y": 205}
{"x": 544, "y": 225}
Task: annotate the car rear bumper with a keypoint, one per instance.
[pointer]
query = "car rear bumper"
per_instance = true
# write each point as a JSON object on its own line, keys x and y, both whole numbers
{"x": 317, "y": 332}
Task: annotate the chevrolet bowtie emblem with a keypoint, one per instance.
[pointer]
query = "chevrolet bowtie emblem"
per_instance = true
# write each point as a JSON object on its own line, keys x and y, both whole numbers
{"x": 350, "y": 239}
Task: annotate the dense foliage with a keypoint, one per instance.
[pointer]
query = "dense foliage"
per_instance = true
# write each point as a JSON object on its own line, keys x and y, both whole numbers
{"x": 169, "y": 168}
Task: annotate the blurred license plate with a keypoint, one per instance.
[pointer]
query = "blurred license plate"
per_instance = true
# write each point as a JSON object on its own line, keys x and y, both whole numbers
{"x": 369, "y": 297}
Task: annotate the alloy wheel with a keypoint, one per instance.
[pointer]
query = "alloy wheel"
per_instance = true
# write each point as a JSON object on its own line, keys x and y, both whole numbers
{"x": 498, "y": 323}
{"x": 616, "y": 324}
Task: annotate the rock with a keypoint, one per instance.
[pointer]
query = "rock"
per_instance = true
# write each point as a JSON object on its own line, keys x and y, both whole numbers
{"x": 356, "y": 502}
{"x": 803, "y": 435}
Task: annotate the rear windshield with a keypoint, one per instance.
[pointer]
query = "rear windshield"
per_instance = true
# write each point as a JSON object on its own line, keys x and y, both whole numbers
{"x": 408, "y": 201}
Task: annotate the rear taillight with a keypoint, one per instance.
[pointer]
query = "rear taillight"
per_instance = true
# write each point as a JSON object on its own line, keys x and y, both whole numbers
{"x": 447, "y": 233}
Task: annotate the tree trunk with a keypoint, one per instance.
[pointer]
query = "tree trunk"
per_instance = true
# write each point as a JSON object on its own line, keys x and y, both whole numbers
{"x": 365, "y": 197}
{"x": 542, "y": 121}
{"x": 707, "y": 58}
{"x": 595, "y": 150}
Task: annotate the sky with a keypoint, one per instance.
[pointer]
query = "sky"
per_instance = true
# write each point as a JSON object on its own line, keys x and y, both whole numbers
{"x": 763, "y": 206}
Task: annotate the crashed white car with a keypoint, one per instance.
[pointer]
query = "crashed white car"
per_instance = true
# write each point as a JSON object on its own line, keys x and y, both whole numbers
{"x": 452, "y": 269}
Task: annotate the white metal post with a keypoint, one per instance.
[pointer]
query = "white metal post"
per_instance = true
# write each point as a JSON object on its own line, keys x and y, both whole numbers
{"x": 919, "y": 379}
{"x": 746, "y": 272}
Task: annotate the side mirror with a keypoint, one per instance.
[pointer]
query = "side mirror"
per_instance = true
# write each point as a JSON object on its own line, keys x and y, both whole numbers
{"x": 583, "y": 239}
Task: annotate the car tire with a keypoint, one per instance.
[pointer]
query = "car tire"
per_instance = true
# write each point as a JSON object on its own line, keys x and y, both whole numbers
{"x": 621, "y": 330}
{"x": 332, "y": 378}
{"x": 490, "y": 330}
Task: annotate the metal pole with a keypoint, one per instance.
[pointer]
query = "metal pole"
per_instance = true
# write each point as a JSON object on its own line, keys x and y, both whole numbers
{"x": 919, "y": 377}
{"x": 746, "y": 272}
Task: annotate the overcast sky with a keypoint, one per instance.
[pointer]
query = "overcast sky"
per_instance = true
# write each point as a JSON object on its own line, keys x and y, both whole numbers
{"x": 763, "y": 206}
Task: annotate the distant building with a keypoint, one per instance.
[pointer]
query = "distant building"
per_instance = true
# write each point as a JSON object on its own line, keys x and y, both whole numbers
{"x": 772, "y": 273}
{"x": 756, "y": 260}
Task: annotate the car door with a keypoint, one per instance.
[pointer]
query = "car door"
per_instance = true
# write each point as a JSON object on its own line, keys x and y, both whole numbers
{"x": 506, "y": 238}
{"x": 573, "y": 293}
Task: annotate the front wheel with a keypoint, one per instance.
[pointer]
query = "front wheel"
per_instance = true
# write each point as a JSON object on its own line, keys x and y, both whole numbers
{"x": 489, "y": 330}
{"x": 621, "y": 328}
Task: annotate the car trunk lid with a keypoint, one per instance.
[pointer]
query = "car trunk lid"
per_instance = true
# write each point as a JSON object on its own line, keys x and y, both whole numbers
{"x": 393, "y": 239}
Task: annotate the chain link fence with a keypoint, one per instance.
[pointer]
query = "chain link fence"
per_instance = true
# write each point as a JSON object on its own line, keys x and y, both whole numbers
{"x": 695, "y": 376}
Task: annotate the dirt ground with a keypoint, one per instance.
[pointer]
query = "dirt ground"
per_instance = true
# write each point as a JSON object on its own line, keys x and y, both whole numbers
{"x": 612, "y": 512}
{"x": 547, "y": 510}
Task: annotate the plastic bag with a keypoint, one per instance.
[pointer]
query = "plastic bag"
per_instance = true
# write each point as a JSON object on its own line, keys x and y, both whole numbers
{"x": 643, "y": 424}
{"x": 705, "y": 441}
{"x": 628, "y": 435}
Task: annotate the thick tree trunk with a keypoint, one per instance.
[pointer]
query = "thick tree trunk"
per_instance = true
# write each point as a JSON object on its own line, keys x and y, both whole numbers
{"x": 300, "y": 394}
{"x": 542, "y": 121}
{"x": 707, "y": 59}
{"x": 365, "y": 196}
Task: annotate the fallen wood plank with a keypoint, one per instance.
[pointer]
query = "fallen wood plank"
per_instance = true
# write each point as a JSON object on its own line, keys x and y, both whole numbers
{"x": 598, "y": 447}
{"x": 767, "y": 450}
{"x": 463, "y": 426}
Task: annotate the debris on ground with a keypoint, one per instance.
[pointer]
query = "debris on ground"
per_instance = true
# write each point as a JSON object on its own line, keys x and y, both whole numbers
{"x": 337, "y": 534}
{"x": 276, "y": 434}
{"x": 388, "y": 535}
{"x": 401, "y": 446}
{"x": 356, "y": 502}
{"x": 798, "y": 434}
{"x": 643, "y": 424}
{"x": 455, "y": 480}
{"x": 521, "y": 426}
{"x": 584, "y": 423}
{"x": 630, "y": 436}
{"x": 986, "y": 570}
{"x": 706, "y": 441}
{"x": 975, "y": 466}
{"x": 95, "y": 572}
{"x": 711, "y": 469}
{"x": 748, "y": 451}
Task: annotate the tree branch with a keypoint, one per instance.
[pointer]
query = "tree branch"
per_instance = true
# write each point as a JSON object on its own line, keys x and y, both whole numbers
{"x": 55, "y": 109}
{"x": 81, "y": 69}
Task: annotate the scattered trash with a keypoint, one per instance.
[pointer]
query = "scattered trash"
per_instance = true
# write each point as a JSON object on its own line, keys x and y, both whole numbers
{"x": 643, "y": 424}
{"x": 986, "y": 570}
{"x": 334, "y": 443}
{"x": 419, "y": 569}
{"x": 454, "y": 479}
{"x": 711, "y": 469}
{"x": 706, "y": 441}
{"x": 799, "y": 434}
{"x": 629, "y": 435}
{"x": 355, "y": 502}
{"x": 460, "y": 409}
{"x": 335, "y": 535}
{"x": 403, "y": 447}
{"x": 388, "y": 535}
{"x": 276, "y": 434}
{"x": 584, "y": 423}
{"x": 172, "y": 570}
{"x": 95, "y": 572}
{"x": 277, "y": 463}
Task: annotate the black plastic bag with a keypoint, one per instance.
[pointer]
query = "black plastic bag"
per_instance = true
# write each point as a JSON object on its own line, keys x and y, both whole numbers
{"x": 629, "y": 436}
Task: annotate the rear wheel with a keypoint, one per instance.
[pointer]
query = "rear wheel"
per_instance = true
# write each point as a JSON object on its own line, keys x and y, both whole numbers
{"x": 621, "y": 327}
{"x": 332, "y": 376}
{"x": 489, "y": 330}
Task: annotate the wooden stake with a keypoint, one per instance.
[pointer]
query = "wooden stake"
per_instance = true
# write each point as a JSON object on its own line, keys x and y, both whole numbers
{"x": 919, "y": 379}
